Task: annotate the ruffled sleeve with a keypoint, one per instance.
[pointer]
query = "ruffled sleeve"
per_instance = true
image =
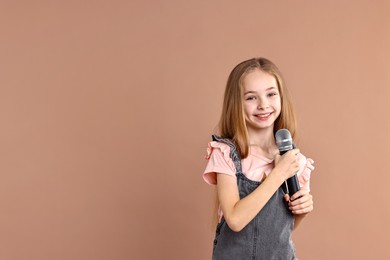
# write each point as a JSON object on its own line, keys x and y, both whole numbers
{"x": 306, "y": 167}
{"x": 219, "y": 161}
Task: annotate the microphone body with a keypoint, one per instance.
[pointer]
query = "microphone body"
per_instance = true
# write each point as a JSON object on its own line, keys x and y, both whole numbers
{"x": 284, "y": 142}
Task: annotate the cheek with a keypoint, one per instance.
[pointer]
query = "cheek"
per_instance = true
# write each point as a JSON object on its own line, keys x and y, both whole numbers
{"x": 247, "y": 109}
{"x": 278, "y": 114}
{"x": 279, "y": 104}
{"x": 278, "y": 108}
{"x": 246, "y": 114}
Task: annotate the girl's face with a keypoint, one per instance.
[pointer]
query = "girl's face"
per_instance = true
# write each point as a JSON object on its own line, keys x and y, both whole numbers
{"x": 262, "y": 104}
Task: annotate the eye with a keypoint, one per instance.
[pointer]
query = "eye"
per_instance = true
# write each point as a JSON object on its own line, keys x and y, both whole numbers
{"x": 250, "y": 98}
{"x": 271, "y": 94}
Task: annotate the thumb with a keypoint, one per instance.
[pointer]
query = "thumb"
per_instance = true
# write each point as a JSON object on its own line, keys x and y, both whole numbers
{"x": 277, "y": 158}
{"x": 286, "y": 197}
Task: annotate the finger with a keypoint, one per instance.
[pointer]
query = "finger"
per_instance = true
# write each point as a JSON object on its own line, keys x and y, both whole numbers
{"x": 304, "y": 198}
{"x": 299, "y": 193}
{"x": 296, "y": 151}
{"x": 286, "y": 197}
{"x": 303, "y": 211}
{"x": 298, "y": 201}
{"x": 302, "y": 206}
{"x": 293, "y": 152}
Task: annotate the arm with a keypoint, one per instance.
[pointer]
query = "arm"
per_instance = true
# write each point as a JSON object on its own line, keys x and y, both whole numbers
{"x": 300, "y": 207}
{"x": 238, "y": 213}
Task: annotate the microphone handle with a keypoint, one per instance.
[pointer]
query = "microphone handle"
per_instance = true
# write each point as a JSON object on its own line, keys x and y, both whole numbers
{"x": 292, "y": 183}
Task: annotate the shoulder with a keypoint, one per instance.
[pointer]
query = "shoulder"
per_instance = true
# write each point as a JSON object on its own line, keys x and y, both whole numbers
{"x": 218, "y": 161}
{"x": 306, "y": 161}
{"x": 221, "y": 147}
{"x": 306, "y": 167}
{"x": 225, "y": 145}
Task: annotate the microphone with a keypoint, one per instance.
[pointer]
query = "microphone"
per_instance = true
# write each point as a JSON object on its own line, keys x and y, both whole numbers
{"x": 284, "y": 142}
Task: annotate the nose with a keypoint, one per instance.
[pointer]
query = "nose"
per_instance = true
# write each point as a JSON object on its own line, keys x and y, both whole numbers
{"x": 263, "y": 104}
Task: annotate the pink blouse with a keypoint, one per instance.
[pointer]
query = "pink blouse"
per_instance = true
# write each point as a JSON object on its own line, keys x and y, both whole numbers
{"x": 254, "y": 166}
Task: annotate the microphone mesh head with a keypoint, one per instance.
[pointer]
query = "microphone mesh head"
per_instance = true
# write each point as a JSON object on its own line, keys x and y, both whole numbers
{"x": 283, "y": 140}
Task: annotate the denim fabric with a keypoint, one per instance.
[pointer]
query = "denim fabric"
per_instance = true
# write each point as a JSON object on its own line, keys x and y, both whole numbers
{"x": 267, "y": 236}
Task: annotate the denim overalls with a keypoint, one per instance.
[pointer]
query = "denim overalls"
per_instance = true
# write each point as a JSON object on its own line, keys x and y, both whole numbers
{"x": 267, "y": 236}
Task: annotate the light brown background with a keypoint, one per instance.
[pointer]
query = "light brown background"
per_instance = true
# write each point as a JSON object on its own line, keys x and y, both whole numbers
{"x": 106, "y": 108}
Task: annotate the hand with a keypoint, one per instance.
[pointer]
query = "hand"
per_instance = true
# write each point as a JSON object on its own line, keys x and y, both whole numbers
{"x": 301, "y": 203}
{"x": 288, "y": 163}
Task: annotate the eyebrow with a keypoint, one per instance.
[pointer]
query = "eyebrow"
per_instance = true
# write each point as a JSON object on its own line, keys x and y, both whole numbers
{"x": 254, "y": 92}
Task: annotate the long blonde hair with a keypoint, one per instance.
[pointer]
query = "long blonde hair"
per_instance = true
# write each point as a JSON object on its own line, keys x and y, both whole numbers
{"x": 232, "y": 122}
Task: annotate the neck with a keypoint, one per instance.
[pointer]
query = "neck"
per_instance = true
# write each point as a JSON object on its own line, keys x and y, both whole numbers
{"x": 263, "y": 138}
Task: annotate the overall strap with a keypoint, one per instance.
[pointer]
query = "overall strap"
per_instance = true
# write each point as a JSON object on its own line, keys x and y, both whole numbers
{"x": 234, "y": 154}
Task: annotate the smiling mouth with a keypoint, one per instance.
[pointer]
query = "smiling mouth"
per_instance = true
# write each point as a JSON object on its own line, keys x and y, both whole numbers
{"x": 263, "y": 116}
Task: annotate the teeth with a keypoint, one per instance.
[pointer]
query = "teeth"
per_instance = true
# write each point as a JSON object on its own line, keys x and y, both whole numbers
{"x": 264, "y": 115}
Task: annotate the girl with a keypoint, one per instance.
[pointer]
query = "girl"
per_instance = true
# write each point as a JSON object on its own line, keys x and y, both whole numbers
{"x": 256, "y": 218}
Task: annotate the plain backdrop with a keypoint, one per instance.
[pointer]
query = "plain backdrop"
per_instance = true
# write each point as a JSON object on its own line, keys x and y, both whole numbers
{"x": 106, "y": 108}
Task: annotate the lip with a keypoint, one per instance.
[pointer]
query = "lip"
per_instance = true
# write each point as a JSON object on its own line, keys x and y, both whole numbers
{"x": 264, "y": 116}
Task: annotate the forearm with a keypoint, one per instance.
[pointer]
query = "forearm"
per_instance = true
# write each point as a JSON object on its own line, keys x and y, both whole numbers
{"x": 247, "y": 208}
{"x": 298, "y": 219}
